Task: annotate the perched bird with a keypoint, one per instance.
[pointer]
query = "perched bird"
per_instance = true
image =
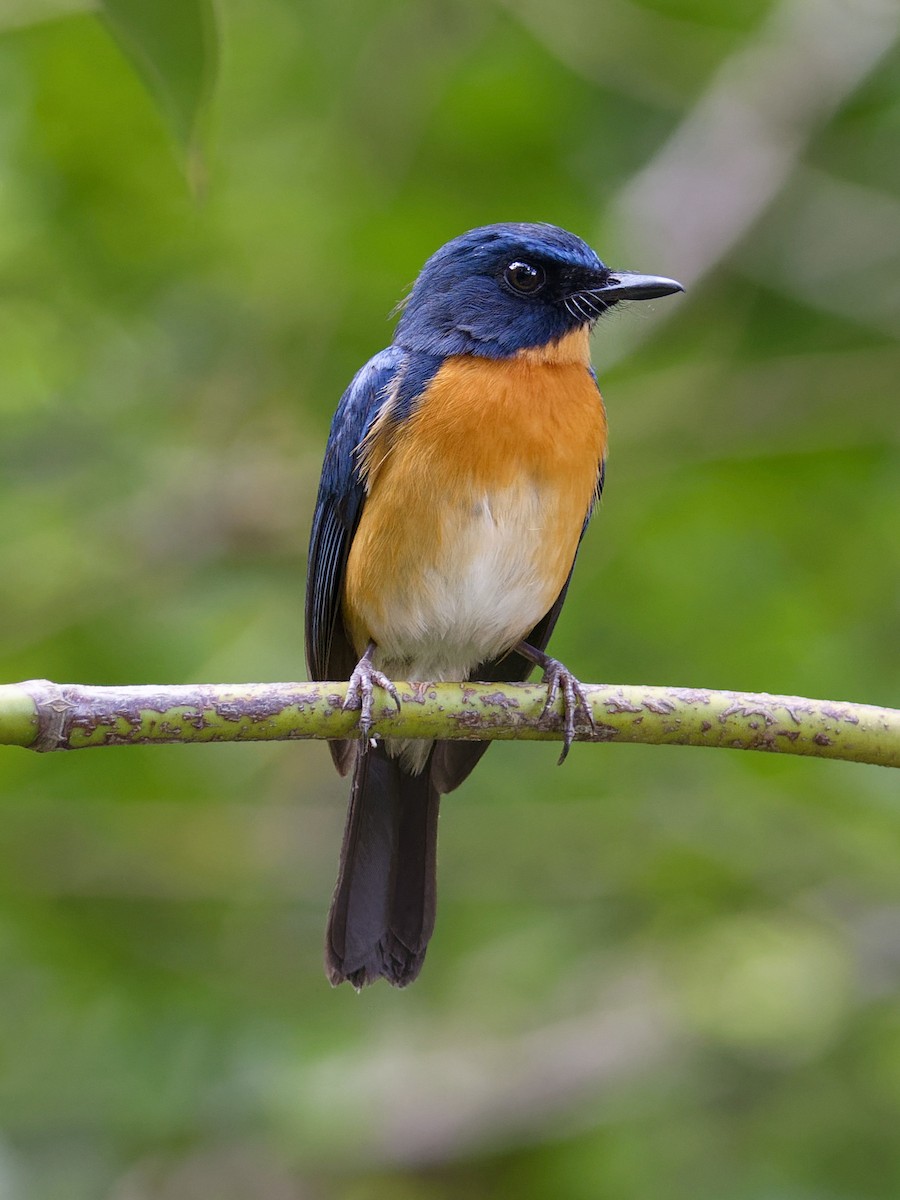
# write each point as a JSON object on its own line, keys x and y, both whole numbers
{"x": 460, "y": 473}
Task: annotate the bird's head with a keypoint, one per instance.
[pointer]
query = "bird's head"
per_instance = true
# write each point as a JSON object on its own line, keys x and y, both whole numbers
{"x": 500, "y": 289}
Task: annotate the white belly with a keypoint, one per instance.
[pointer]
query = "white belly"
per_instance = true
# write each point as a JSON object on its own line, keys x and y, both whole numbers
{"x": 486, "y": 589}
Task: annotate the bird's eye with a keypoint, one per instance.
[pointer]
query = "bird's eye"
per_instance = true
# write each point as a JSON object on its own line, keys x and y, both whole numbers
{"x": 525, "y": 277}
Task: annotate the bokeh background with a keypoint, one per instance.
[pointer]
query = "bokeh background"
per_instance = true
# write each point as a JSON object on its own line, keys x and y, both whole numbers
{"x": 659, "y": 972}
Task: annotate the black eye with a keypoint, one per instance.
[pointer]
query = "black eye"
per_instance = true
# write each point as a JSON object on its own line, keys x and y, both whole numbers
{"x": 525, "y": 277}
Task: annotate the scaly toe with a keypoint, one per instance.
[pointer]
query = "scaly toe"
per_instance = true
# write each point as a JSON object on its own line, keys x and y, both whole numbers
{"x": 383, "y": 682}
{"x": 361, "y": 693}
{"x": 551, "y": 679}
{"x": 557, "y": 676}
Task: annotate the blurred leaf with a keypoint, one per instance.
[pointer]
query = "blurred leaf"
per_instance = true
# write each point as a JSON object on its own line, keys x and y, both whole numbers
{"x": 17, "y": 14}
{"x": 174, "y": 46}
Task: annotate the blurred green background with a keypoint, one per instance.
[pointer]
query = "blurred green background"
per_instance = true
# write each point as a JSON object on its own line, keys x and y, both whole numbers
{"x": 658, "y": 973}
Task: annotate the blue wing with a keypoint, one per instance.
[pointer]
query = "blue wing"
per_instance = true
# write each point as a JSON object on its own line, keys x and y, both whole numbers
{"x": 329, "y": 654}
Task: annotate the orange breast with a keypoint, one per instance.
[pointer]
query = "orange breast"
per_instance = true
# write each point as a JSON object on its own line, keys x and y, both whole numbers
{"x": 474, "y": 510}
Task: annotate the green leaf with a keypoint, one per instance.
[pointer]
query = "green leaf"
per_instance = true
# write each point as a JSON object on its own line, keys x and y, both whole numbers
{"x": 19, "y": 14}
{"x": 173, "y": 44}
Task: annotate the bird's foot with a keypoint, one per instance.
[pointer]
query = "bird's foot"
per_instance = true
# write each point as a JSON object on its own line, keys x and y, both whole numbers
{"x": 361, "y": 690}
{"x": 559, "y": 678}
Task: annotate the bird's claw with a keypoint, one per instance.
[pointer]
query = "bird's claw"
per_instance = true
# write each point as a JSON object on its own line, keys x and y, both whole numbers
{"x": 361, "y": 691}
{"x": 557, "y": 677}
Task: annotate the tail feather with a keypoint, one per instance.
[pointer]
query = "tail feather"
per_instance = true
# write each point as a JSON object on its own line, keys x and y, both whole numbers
{"x": 382, "y": 914}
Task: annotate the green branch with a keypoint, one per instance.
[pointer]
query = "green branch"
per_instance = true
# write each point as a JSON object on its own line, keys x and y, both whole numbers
{"x": 44, "y": 716}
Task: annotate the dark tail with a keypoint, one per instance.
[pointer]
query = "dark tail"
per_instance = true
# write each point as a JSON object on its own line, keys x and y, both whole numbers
{"x": 382, "y": 914}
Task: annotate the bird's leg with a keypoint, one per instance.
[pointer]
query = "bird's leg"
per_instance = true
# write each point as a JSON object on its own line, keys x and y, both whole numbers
{"x": 557, "y": 676}
{"x": 361, "y": 689}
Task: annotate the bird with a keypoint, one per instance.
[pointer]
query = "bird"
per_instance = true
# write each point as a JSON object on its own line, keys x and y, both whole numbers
{"x": 462, "y": 467}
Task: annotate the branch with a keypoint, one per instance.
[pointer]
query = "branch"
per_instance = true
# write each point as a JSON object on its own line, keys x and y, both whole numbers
{"x": 44, "y": 716}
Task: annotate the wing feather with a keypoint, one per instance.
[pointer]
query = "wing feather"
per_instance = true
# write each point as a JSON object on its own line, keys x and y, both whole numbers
{"x": 338, "y": 508}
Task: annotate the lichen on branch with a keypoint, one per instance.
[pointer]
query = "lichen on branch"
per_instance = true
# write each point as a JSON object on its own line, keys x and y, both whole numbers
{"x": 44, "y": 716}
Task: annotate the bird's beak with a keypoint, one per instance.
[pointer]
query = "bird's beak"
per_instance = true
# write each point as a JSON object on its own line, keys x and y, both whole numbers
{"x": 623, "y": 285}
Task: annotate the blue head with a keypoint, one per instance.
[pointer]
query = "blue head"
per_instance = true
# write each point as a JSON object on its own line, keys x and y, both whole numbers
{"x": 504, "y": 288}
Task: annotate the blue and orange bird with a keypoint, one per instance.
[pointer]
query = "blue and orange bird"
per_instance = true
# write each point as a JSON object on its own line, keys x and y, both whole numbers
{"x": 462, "y": 467}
